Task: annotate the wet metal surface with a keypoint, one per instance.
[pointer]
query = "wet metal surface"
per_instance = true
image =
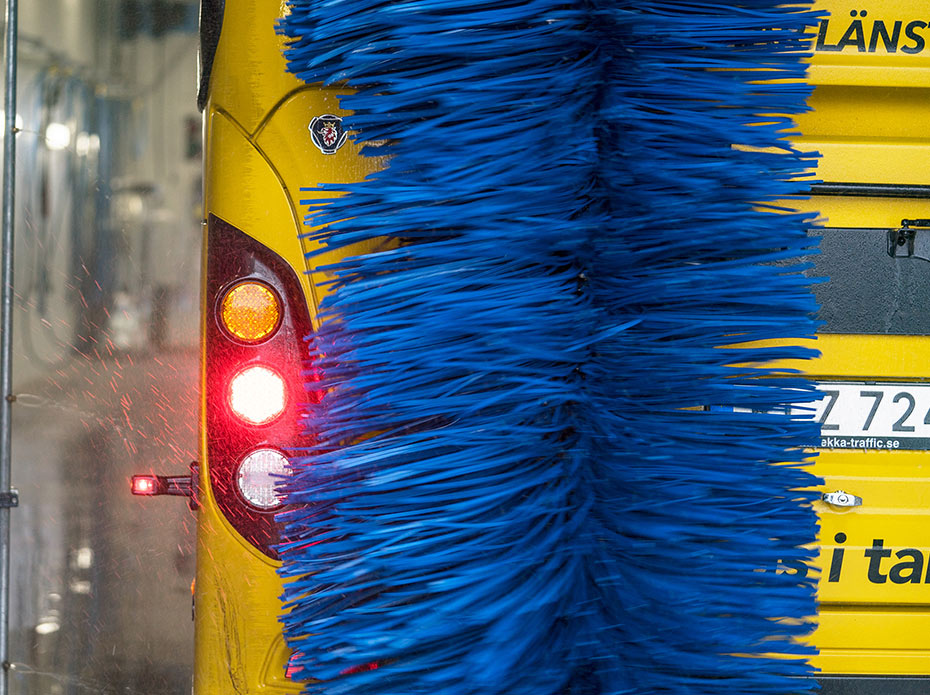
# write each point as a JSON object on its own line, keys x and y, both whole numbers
{"x": 100, "y": 579}
{"x": 105, "y": 346}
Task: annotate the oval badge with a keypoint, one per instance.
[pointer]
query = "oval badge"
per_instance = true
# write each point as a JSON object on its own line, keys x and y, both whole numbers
{"x": 327, "y": 133}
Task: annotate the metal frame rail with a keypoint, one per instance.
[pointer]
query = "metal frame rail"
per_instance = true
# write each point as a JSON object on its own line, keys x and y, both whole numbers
{"x": 870, "y": 190}
{"x": 7, "y": 498}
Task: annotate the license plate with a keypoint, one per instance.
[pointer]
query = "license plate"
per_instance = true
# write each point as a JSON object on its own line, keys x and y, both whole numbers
{"x": 873, "y": 416}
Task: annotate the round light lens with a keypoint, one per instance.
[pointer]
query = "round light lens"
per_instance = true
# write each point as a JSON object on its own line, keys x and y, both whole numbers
{"x": 250, "y": 311}
{"x": 257, "y": 395}
{"x": 258, "y": 473}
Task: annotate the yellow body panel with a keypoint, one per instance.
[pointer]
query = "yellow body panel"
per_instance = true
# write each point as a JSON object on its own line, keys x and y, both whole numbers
{"x": 238, "y": 647}
{"x": 868, "y": 133}
{"x": 285, "y": 140}
{"x": 867, "y": 627}
{"x": 902, "y": 357}
{"x": 249, "y": 77}
{"x": 856, "y": 65}
{"x": 869, "y": 120}
{"x": 258, "y": 154}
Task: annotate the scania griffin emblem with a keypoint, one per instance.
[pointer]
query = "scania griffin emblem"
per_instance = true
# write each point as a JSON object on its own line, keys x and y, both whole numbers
{"x": 327, "y": 133}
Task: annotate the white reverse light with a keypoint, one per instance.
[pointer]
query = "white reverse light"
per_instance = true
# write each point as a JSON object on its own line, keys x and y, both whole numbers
{"x": 258, "y": 473}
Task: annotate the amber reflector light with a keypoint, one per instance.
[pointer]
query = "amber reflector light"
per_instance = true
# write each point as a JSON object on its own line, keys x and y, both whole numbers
{"x": 251, "y": 311}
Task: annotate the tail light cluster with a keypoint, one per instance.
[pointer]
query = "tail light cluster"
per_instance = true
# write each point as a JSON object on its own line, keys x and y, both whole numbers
{"x": 256, "y": 322}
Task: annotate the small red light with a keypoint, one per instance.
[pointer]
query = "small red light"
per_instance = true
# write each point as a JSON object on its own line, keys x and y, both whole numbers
{"x": 291, "y": 669}
{"x": 144, "y": 484}
{"x": 373, "y": 666}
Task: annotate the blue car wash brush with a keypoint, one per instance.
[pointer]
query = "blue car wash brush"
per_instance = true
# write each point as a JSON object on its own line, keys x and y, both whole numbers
{"x": 541, "y": 469}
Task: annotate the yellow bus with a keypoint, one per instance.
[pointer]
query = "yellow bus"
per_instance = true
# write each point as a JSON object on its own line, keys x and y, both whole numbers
{"x": 268, "y": 135}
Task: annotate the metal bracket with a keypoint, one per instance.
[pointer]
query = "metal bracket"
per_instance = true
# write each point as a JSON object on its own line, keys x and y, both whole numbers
{"x": 9, "y": 499}
{"x": 177, "y": 485}
{"x": 194, "y": 500}
{"x": 841, "y": 498}
{"x": 912, "y": 240}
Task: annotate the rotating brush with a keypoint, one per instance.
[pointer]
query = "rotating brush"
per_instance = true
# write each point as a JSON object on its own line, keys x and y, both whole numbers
{"x": 543, "y": 467}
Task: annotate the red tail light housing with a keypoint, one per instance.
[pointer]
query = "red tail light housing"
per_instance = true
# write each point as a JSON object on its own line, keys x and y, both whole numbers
{"x": 254, "y": 388}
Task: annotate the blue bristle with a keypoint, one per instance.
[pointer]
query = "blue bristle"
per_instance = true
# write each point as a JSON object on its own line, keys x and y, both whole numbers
{"x": 508, "y": 497}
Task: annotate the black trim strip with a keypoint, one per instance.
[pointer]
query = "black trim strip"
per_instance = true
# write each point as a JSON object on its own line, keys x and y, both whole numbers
{"x": 211, "y": 23}
{"x": 873, "y": 685}
{"x": 871, "y": 190}
{"x": 820, "y": 230}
